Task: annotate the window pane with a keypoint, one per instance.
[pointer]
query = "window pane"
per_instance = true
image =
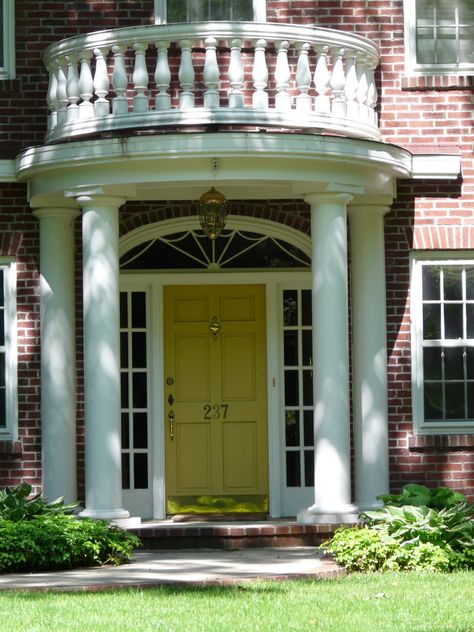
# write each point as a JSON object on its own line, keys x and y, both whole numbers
{"x": 470, "y": 400}
{"x": 470, "y": 284}
{"x": 124, "y": 390}
{"x": 291, "y": 388}
{"x": 306, "y": 308}
{"x": 455, "y": 400}
{"x": 125, "y": 471}
{"x": 140, "y": 431}
{"x": 139, "y": 350}
{"x": 453, "y": 321}
{"x": 291, "y": 348}
{"x": 470, "y": 320}
{"x": 453, "y": 364}
{"x": 308, "y": 428}
{"x": 452, "y": 281}
{"x": 125, "y": 432}
{"x": 290, "y": 308}
{"x": 307, "y": 388}
{"x": 431, "y": 322}
{"x": 3, "y": 411}
{"x": 432, "y": 363}
{"x": 433, "y": 397}
{"x": 307, "y": 348}
{"x": 139, "y": 390}
{"x": 124, "y": 350}
{"x": 292, "y": 428}
{"x": 470, "y": 363}
{"x": 431, "y": 286}
{"x": 123, "y": 310}
{"x": 293, "y": 472}
{"x": 140, "y": 471}
{"x": 309, "y": 468}
{"x": 138, "y": 309}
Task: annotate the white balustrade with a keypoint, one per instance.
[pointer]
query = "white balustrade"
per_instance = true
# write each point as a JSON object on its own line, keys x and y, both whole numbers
{"x": 262, "y": 74}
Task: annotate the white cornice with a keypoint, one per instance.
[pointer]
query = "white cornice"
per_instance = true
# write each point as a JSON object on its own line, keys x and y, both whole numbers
{"x": 436, "y": 166}
{"x": 7, "y": 171}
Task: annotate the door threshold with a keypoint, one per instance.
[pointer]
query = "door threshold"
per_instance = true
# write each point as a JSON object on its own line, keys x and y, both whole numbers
{"x": 219, "y": 517}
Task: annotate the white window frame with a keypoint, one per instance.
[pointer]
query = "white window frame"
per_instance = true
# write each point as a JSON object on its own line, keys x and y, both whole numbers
{"x": 411, "y": 65}
{"x": 420, "y": 426}
{"x": 7, "y": 71}
{"x": 10, "y": 431}
{"x": 259, "y": 11}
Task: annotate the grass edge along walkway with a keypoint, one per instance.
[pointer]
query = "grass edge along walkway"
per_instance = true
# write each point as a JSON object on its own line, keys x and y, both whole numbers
{"x": 402, "y": 602}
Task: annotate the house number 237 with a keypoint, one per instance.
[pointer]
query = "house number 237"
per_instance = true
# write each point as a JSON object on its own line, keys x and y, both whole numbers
{"x": 215, "y": 411}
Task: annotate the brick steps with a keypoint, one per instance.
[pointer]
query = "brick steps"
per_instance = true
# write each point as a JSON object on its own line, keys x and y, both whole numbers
{"x": 231, "y": 535}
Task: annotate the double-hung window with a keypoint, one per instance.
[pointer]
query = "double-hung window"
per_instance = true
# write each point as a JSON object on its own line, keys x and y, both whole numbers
{"x": 169, "y": 11}
{"x": 439, "y": 36}
{"x": 442, "y": 309}
{"x": 7, "y": 35}
{"x": 8, "y": 371}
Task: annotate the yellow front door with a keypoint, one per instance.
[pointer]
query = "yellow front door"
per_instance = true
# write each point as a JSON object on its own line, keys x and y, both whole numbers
{"x": 215, "y": 399}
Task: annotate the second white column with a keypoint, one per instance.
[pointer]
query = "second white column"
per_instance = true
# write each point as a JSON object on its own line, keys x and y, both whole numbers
{"x": 101, "y": 356}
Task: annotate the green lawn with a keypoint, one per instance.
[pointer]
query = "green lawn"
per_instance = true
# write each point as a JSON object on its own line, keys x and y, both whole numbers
{"x": 362, "y": 603}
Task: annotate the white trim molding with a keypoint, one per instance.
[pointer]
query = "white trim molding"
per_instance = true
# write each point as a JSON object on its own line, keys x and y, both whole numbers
{"x": 7, "y": 171}
{"x": 443, "y": 355}
{"x": 7, "y": 69}
{"x": 436, "y": 166}
{"x": 9, "y": 428}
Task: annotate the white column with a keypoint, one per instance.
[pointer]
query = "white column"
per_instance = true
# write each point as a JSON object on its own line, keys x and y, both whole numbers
{"x": 58, "y": 359}
{"x": 101, "y": 356}
{"x": 369, "y": 355}
{"x": 332, "y": 477}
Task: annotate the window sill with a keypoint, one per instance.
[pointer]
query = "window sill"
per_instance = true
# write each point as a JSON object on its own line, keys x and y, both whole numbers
{"x": 436, "y": 82}
{"x": 10, "y": 448}
{"x": 427, "y": 443}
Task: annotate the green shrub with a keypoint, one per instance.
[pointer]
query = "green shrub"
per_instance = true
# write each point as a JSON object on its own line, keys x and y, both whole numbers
{"x": 58, "y": 541}
{"x": 419, "y": 495}
{"x": 16, "y": 504}
{"x": 438, "y": 537}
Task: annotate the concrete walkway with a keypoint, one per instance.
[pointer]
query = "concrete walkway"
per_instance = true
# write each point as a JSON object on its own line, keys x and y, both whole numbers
{"x": 184, "y": 568}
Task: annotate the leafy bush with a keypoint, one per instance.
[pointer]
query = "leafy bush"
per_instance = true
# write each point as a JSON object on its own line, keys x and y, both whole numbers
{"x": 16, "y": 504}
{"x": 58, "y": 541}
{"x": 419, "y": 495}
{"x": 438, "y": 537}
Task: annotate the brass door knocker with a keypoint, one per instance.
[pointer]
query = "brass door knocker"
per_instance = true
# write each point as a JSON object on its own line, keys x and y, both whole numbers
{"x": 215, "y": 327}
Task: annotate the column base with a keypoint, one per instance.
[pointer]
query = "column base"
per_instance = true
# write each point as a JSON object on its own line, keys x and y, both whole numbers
{"x": 338, "y": 514}
{"x": 369, "y": 505}
{"x": 105, "y": 514}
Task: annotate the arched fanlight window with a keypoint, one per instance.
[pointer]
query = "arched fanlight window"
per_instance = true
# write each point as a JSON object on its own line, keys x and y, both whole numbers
{"x": 236, "y": 248}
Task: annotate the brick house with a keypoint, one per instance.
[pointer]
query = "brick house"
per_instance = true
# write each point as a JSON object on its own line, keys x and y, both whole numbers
{"x": 148, "y": 369}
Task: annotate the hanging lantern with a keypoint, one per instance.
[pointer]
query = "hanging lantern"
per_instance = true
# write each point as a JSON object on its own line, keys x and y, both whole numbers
{"x": 213, "y": 209}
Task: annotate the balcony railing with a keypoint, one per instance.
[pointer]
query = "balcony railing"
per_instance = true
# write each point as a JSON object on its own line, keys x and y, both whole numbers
{"x": 252, "y": 75}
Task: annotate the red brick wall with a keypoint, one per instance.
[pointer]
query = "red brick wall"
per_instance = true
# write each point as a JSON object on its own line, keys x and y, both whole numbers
{"x": 413, "y": 112}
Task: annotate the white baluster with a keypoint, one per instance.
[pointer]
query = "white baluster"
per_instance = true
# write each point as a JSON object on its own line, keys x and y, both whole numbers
{"x": 72, "y": 88}
{"x": 86, "y": 86}
{"x": 101, "y": 83}
{"x": 236, "y": 75}
{"x": 62, "y": 93}
{"x": 350, "y": 89}
{"x": 140, "y": 79}
{"x": 303, "y": 80}
{"x": 362, "y": 87}
{"x": 322, "y": 77}
{"x": 371, "y": 93}
{"x": 186, "y": 76}
{"x": 119, "y": 82}
{"x": 260, "y": 76}
{"x": 338, "y": 83}
{"x": 52, "y": 97}
{"x": 282, "y": 78}
{"x": 211, "y": 74}
{"x": 162, "y": 77}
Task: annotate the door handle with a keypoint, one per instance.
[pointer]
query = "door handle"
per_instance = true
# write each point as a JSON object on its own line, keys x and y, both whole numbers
{"x": 171, "y": 424}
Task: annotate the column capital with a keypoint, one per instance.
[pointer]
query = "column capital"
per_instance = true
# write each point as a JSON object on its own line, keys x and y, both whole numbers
{"x": 56, "y": 212}
{"x": 94, "y": 200}
{"x": 328, "y": 198}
